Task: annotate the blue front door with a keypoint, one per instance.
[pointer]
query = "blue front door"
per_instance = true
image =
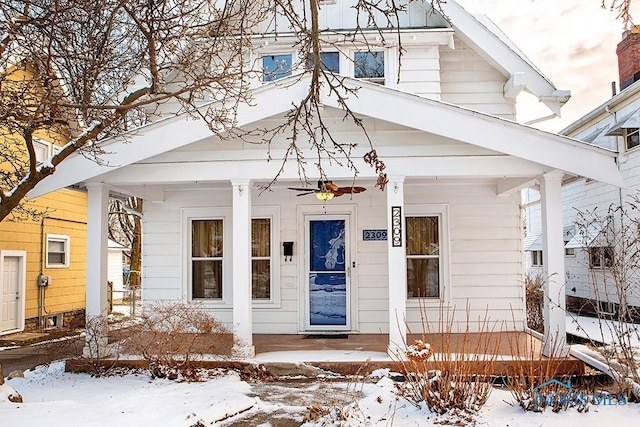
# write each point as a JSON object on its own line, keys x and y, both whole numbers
{"x": 327, "y": 272}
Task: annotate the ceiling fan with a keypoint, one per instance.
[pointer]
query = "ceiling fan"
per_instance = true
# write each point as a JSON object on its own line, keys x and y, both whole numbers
{"x": 327, "y": 190}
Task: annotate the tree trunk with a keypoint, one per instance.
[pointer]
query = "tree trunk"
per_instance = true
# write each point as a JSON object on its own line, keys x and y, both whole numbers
{"x": 136, "y": 249}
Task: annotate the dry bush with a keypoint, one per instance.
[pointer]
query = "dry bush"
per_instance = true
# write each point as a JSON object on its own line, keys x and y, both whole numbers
{"x": 453, "y": 374}
{"x": 99, "y": 358}
{"x": 530, "y": 370}
{"x": 171, "y": 336}
{"x": 535, "y": 299}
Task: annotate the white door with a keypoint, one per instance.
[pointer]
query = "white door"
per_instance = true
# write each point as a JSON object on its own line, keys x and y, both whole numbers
{"x": 9, "y": 310}
{"x": 327, "y": 272}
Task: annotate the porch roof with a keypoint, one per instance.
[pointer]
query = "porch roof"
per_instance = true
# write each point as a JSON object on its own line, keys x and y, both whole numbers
{"x": 552, "y": 151}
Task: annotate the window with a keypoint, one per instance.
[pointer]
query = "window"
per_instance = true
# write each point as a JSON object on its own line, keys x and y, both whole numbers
{"x": 276, "y": 67}
{"x": 206, "y": 258}
{"x": 423, "y": 256}
{"x": 601, "y": 257}
{"x": 536, "y": 258}
{"x": 570, "y": 252}
{"x": 369, "y": 66}
{"x": 632, "y": 138}
{"x": 57, "y": 251}
{"x": 330, "y": 61}
{"x": 42, "y": 151}
{"x": 261, "y": 258}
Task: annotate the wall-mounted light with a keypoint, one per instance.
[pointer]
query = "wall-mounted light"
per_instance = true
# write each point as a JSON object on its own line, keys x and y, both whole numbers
{"x": 324, "y": 195}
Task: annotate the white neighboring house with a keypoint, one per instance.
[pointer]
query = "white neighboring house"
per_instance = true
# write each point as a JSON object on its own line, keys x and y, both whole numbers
{"x": 115, "y": 264}
{"x": 446, "y": 232}
{"x": 613, "y": 125}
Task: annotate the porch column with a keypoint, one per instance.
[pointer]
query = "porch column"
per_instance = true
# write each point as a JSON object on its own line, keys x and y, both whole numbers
{"x": 241, "y": 266}
{"x": 553, "y": 260}
{"x": 397, "y": 265}
{"x": 96, "y": 289}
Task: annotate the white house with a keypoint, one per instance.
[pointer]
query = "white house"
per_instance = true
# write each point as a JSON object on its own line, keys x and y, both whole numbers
{"x": 446, "y": 232}
{"x": 589, "y": 252}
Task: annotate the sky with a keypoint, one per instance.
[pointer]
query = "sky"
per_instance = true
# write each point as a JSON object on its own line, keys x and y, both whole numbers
{"x": 573, "y": 42}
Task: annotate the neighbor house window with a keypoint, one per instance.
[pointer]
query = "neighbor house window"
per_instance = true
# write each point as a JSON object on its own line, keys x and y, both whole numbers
{"x": 601, "y": 257}
{"x": 369, "y": 66}
{"x": 330, "y": 61}
{"x": 261, "y": 258}
{"x": 536, "y": 258}
{"x": 206, "y": 258}
{"x": 632, "y": 138}
{"x": 57, "y": 251}
{"x": 423, "y": 256}
{"x": 276, "y": 67}
{"x": 42, "y": 151}
{"x": 569, "y": 252}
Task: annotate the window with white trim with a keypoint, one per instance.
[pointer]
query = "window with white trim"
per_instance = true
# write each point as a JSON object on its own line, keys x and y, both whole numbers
{"x": 207, "y": 258}
{"x": 330, "y": 62}
{"x": 536, "y": 258}
{"x": 632, "y": 138}
{"x": 57, "y": 251}
{"x": 276, "y": 67}
{"x": 369, "y": 65}
{"x": 41, "y": 149}
{"x": 261, "y": 258}
{"x": 423, "y": 256}
{"x": 601, "y": 257}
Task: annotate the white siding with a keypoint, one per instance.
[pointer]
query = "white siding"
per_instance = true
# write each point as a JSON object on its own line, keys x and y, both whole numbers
{"x": 470, "y": 81}
{"x": 485, "y": 255}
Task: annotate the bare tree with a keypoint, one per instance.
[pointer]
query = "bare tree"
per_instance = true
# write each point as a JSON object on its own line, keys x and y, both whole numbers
{"x": 125, "y": 227}
{"x": 75, "y": 73}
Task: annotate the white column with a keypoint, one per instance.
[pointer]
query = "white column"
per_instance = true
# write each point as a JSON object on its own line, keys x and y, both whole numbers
{"x": 553, "y": 262}
{"x": 397, "y": 266}
{"x": 97, "y": 249}
{"x": 241, "y": 266}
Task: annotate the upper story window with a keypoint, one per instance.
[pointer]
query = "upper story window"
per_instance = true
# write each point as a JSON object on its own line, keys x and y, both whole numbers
{"x": 276, "y": 67}
{"x": 57, "y": 251}
{"x": 41, "y": 149}
{"x": 631, "y": 138}
{"x": 330, "y": 61}
{"x": 369, "y": 66}
{"x": 207, "y": 258}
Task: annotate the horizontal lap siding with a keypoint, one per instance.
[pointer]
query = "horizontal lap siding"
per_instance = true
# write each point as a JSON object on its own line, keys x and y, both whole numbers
{"x": 470, "y": 81}
{"x": 420, "y": 72}
{"x": 486, "y": 268}
{"x": 485, "y": 262}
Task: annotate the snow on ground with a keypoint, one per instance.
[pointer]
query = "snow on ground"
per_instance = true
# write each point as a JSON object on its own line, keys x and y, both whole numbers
{"x": 602, "y": 330}
{"x": 322, "y": 356}
{"x": 55, "y": 398}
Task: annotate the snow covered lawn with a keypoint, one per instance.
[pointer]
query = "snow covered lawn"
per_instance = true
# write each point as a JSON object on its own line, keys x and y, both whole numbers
{"x": 55, "y": 398}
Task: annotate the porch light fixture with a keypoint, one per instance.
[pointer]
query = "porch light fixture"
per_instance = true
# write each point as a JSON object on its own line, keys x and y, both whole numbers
{"x": 324, "y": 195}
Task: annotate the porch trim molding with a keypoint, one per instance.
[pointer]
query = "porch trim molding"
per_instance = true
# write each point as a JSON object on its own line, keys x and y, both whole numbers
{"x": 397, "y": 269}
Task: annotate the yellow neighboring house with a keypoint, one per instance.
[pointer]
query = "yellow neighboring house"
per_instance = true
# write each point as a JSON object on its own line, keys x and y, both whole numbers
{"x": 43, "y": 260}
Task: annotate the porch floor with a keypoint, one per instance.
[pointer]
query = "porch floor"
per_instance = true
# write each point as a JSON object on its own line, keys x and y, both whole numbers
{"x": 349, "y": 353}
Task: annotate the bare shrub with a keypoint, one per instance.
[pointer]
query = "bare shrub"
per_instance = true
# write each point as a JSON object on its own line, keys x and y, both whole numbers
{"x": 452, "y": 374}
{"x": 171, "y": 336}
{"x": 534, "y": 283}
{"x": 612, "y": 247}
{"x": 98, "y": 358}
{"x": 531, "y": 379}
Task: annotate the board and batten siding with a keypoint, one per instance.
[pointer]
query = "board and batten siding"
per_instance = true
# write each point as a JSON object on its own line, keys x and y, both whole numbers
{"x": 485, "y": 255}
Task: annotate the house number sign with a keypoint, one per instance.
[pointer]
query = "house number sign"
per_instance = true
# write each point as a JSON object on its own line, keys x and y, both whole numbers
{"x": 374, "y": 234}
{"x": 396, "y": 226}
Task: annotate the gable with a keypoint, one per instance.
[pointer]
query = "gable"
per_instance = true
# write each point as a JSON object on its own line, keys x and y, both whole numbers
{"x": 373, "y": 101}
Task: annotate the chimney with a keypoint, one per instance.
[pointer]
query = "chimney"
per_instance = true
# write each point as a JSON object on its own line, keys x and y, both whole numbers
{"x": 628, "y": 51}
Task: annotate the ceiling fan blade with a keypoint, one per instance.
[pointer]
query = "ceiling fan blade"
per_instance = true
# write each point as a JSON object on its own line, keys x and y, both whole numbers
{"x": 301, "y": 189}
{"x": 353, "y": 190}
{"x": 330, "y": 186}
{"x": 305, "y": 194}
